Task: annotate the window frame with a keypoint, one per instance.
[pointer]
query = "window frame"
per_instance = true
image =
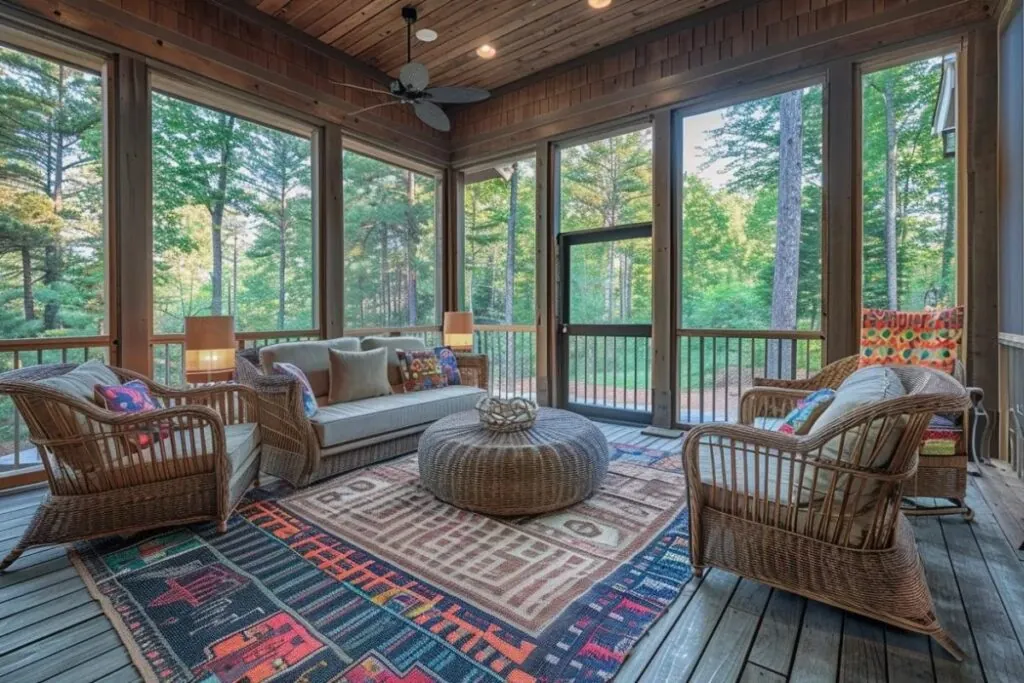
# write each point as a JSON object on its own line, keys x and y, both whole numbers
{"x": 196, "y": 91}
{"x": 357, "y": 146}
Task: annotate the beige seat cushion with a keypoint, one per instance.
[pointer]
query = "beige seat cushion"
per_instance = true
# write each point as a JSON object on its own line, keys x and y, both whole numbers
{"x": 309, "y": 356}
{"x": 80, "y": 382}
{"x": 393, "y": 345}
{"x": 358, "y": 374}
{"x": 344, "y": 422}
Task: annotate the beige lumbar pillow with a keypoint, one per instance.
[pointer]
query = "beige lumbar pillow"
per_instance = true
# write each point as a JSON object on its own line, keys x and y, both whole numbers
{"x": 358, "y": 374}
{"x": 80, "y": 382}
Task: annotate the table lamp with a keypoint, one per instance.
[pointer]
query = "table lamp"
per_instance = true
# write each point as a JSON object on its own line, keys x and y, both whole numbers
{"x": 458, "y": 330}
{"x": 209, "y": 348}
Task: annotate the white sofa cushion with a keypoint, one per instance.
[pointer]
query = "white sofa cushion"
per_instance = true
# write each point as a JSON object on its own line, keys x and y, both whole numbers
{"x": 343, "y": 422}
{"x": 309, "y": 356}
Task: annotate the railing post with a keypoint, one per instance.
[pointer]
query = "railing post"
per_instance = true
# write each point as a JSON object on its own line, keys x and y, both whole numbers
{"x": 662, "y": 271}
{"x": 331, "y": 277}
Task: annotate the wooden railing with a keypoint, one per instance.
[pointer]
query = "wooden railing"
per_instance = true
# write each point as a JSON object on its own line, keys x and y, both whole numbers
{"x": 169, "y": 350}
{"x": 512, "y": 358}
{"x": 19, "y": 462}
{"x": 1011, "y": 400}
{"x": 430, "y": 334}
{"x": 610, "y": 371}
{"x": 716, "y": 366}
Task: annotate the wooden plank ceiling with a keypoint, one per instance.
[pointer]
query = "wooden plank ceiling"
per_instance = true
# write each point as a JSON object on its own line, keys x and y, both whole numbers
{"x": 529, "y": 35}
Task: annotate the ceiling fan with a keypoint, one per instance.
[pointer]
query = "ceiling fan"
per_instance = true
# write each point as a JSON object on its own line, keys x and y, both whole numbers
{"x": 411, "y": 87}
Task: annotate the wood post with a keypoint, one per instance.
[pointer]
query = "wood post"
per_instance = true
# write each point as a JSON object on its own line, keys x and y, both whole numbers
{"x": 663, "y": 289}
{"x": 841, "y": 238}
{"x": 129, "y": 190}
{"x": 331, "y": 257}
{"x": 545, "y": 274}
{"x": 452, "y": 249}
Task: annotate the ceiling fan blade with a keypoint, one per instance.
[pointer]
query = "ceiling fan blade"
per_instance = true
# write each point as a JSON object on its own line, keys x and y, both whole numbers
{"x": 414, "y": 76}
{"x": 432, "y": 115}
{"x": 457, "y": 95}
{"x": 360, "y": 87}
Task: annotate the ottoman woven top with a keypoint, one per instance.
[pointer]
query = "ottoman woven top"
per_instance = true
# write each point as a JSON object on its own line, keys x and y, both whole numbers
{"x": 560, "y": 460}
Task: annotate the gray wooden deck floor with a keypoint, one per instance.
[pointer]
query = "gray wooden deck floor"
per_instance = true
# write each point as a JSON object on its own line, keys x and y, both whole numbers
{"x": 721, "y": 629}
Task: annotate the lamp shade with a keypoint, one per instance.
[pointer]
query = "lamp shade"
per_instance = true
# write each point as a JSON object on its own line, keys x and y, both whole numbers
{"x": 458, "y": 330}
{"x": 209, "y": 346}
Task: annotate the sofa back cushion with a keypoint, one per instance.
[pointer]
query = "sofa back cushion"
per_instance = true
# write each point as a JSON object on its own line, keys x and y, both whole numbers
{"x": 394, "y": 345}
{"x": 81, "y": 382}
{"x": 358, "y": 374}
{"x": 312, "y": 357}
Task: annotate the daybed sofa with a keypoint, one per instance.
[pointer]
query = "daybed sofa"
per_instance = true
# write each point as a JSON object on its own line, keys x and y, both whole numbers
{"x": 345, "y": 436}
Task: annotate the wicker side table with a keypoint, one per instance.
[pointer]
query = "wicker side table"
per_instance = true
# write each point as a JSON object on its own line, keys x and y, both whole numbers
{"x": 559, "y": 461}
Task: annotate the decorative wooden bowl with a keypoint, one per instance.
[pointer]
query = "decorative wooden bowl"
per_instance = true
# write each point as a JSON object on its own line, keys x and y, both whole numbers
{"x": 506, "y": 415}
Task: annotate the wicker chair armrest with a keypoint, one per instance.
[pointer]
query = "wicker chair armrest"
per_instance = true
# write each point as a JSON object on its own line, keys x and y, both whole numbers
{"x": 236, "y": 403}
{"x": 765, "y": 401}
{"x": 829, "y": 377}
{"x": 474, "y": 367}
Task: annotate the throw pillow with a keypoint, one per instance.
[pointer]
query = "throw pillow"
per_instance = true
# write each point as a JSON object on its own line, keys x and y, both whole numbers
{"x": 130, "y": 398}
{"x": 309, "y": 406}
{"x": 800, "y": 420}
{"x": 927, "y": 338}
{"x": 81, "y": 382}
{"x": 449, "y": 365}
{"x": 421, "y": 370}
{"x": 358, "y": 374}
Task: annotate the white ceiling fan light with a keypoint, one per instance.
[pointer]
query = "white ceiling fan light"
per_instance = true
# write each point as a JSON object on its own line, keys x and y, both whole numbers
{"x": 486, "y": 51}
{"x": 599, "y": 4}
{"x": 411, "y": 85}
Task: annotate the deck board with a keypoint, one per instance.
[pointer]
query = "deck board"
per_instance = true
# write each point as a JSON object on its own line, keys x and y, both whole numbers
{"x": 721, "y": 628}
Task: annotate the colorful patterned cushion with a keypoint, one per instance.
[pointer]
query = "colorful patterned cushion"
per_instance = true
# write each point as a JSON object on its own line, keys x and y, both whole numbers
{"x": 421, "y": 370}
{"x": 129, "y": 398}
{"x": 926, "y": 338}
{"x": 309, "y": 406}
{"x": 800, "y": 420}
{"x": 449, "y": 365}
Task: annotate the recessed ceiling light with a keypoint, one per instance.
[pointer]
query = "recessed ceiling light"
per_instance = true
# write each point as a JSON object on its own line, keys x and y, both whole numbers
{"x": 599, "y": 4}
{"x": 486, "y": 51}
{"x": 427, "y": 35}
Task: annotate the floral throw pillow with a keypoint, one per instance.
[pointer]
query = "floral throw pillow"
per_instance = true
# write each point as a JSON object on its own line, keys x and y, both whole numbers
{"x": 800, "y": 420}
{"x": 129, "y": 398}
{"x": 927, "y": 338}
{"x": 309, "y": 406}
{"x": 449, "y": 365}
{"x": 421, "y": 370}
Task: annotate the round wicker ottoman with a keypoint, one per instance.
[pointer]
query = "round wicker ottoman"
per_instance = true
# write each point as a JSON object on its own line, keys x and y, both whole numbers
{"x": 559, "y": 461}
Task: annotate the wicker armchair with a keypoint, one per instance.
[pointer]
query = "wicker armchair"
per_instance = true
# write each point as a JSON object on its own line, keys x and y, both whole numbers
{"x": 112, "y": 473}
{"x": 938, "y": 476}
{"x": 291, "y": 449}
{"x": 819, "y": 515}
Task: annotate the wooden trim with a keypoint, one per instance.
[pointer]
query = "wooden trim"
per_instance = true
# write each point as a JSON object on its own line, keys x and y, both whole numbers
{"x": 46, "y": 343}
{"x": 840, "y": 230}
{"x": 178, "y": 338}
{"x": 451, "y": 261}
{"x": 130, "y": 214}
{"x": 749, "y": 334}
{"x": 389, "y": 331}
{"x": 506, "y": 328}
{"x": 666, "y": 165}
{"x": 22, "y": 477}
{"x": 374, "y": 151}
{"x": 1014, "y": 340}
{"x": 330, "y": 200}
{"x": 545, "y": 273}
{"x": 457, "y": 209}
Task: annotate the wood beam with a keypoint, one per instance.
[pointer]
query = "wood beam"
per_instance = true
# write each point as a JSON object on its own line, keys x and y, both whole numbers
{"x": 665, "y": 168}
{"x": 545, "y": 276}
{"x": 129, "y": 187}
{"x": 332, "y": 231}
{"x": 841, "y": 247}
{"x": 980, "y": 85}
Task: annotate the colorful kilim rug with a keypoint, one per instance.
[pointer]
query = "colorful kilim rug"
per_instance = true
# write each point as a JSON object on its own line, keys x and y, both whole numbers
{"x": 367, "y": 578}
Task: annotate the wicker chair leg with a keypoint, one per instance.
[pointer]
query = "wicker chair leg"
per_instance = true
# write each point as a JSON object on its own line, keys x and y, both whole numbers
{"x": 948, "y": 644}
{"x": 222, "y": 526}
{"x": 11, "y": 557}
{"x": 698, "y": 571}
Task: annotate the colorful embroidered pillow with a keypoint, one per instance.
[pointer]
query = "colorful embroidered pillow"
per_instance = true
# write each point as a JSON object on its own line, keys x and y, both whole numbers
{"x": 449, "y": 365}
{"x": 309, "y": 406}
{"x": 927, "y": 338}
{"x": 800, "y": 420}
{"x": 421, "y": 370}
{"x": 129, "y": 398}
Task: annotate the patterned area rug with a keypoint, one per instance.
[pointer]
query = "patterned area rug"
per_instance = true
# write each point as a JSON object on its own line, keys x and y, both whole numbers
{"x": 368, "y": 578}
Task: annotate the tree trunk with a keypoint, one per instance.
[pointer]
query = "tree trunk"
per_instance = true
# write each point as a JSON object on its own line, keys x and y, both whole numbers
{"x": 891, "y": 281}
{"x": 787, "y": 222}
{"x": 510, "y": 243}
{"x": 411, "y": 236}
{"x": 52, "y": 253}
{"x": 28, "y": 294}
{"x": 948, "y": 244}
{"x": 282, "y": 227}
{"x": 217, "y": 215}
{"x": 385, "y": 294}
